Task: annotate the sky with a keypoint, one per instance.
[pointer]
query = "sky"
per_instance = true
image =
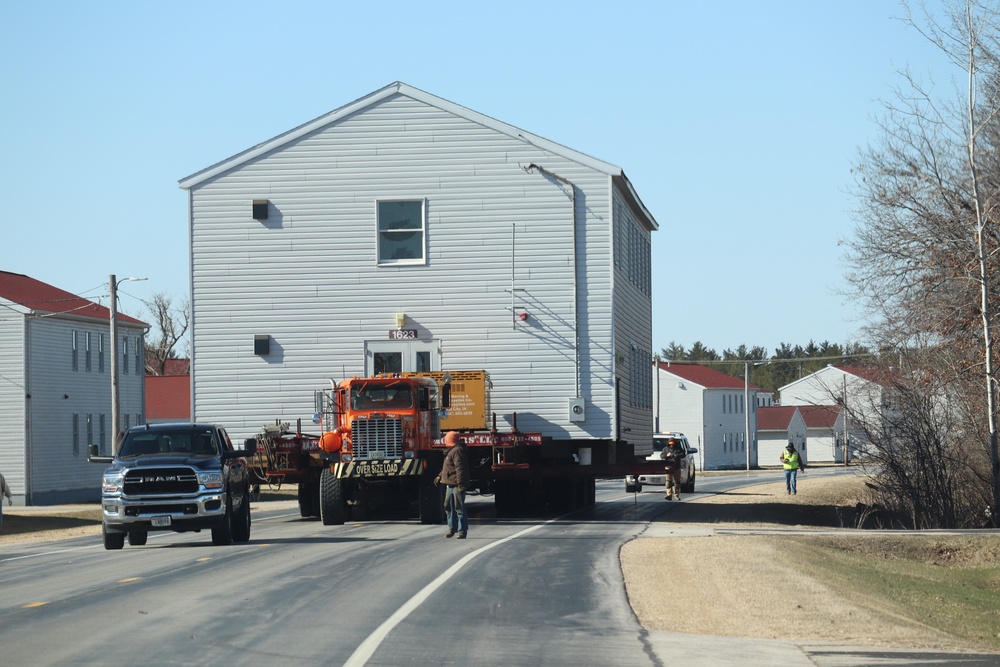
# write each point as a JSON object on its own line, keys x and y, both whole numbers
{"x": 736, "y": 122}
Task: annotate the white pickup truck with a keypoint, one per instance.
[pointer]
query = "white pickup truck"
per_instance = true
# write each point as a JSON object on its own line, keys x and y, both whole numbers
{"x": 633, "y": 483}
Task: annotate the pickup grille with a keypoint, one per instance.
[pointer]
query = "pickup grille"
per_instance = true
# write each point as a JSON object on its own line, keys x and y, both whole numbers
{"x": 162, "y": 481}
{"x": 377, "y": 438}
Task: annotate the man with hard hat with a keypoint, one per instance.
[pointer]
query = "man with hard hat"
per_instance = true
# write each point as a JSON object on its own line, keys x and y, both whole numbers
{"x": 455, "y": 477}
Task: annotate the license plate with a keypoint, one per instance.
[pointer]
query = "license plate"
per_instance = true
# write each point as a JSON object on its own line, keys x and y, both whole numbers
{"x": 160, "y": 521}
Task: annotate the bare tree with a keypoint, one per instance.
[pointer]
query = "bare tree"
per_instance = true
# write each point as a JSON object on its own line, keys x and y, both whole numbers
{"x": 171, "y": 325}
{"x": 924, "y": 255}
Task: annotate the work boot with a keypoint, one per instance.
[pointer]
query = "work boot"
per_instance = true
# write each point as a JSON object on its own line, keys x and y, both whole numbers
{"x": 461, "y": 536}
{"x": 449, "y": 533}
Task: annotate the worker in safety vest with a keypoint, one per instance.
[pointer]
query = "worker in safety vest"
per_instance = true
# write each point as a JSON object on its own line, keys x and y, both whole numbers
{"x": 793, "y": 463}
{"x": 673, "y": 453}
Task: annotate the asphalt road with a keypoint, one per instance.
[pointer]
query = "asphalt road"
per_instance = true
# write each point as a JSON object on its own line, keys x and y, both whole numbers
{"x": 388, "y": 592}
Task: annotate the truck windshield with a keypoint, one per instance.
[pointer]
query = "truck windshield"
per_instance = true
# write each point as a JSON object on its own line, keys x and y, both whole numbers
{"x": 381, "y": 397}
{"x": 186, "y": 442}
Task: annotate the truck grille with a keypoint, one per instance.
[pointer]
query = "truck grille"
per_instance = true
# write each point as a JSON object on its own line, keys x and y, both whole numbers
{"x": 377, "y": 438}
{"x": 166, "y": 481}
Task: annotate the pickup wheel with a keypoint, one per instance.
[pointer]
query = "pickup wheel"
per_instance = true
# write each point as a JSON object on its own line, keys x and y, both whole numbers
{"x": 241, "y": 523}
{"x": 137, "y": 538}
{"x": 113, "y": 541}
{"x": 331, "y": 499}
{"x": 689, "y": 487}
{"x": 222, "y": 535}
{"x": 632, "y": 488}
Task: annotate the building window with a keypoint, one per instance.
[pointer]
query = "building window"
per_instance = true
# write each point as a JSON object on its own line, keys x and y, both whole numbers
{"x": 76, "y": 358}
{"x": 102, "y": 434}
{"x": 138, "y": 355}
{"x": 401, "y": 231}
{"x": 128, "y": 422}
{"x": 86, "y": 352}
{"x": 100, "y": 353}
{"x": 90, "y": 430}
{"x": 125, "y": 355}
{"x": 76, "y": 434}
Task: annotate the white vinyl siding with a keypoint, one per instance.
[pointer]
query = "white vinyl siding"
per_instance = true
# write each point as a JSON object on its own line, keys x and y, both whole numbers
{"x": 499, "y": 241}
{"x": 58, "y": 464}
{"x": 13, "y": 393}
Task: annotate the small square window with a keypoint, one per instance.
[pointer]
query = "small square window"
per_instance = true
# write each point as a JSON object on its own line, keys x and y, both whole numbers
{"x": 401, "y": 231}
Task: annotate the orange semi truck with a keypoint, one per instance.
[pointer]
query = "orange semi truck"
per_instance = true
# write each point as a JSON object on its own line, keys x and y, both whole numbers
{"x": 381, "y": 447}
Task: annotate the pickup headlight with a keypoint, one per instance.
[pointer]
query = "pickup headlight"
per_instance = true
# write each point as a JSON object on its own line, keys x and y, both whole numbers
{"x": 210, "y": 480}
{"x": 112, "y": 483}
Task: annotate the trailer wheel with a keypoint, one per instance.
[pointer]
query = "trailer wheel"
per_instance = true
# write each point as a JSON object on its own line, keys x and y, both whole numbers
{"x": 113, "y": 540}
{"x": 331, "y": 499}
{"x": 306, "y": 498}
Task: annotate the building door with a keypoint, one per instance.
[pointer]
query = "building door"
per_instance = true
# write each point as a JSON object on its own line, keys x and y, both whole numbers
{"x": 402, "y": 356}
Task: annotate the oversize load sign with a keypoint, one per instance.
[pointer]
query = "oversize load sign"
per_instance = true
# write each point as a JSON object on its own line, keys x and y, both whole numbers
{"x": 380, "y": 468}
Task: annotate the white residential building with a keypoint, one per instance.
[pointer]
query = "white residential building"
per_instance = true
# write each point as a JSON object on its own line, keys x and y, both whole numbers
{"x": 708, "y": 407}
{"x": 405, "y": 232}
{"x": 862, "y": 390}
{"x": 824, "y": 432}
{"x": 55, "y": 393}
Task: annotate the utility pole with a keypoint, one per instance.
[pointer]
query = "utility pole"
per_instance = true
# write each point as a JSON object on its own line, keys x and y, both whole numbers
{"x": 115, "y": 394}
{"x": 115, "y": 401}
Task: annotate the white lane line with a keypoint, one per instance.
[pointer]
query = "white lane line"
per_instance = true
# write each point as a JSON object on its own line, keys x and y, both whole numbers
{"x": 371, "y": 643}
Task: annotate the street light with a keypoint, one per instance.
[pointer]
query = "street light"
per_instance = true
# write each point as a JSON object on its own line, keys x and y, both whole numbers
{"x": 115, "y": 401}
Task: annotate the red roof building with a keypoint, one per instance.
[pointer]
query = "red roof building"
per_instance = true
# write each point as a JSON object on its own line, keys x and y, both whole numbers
{"x": 168, "y": 398}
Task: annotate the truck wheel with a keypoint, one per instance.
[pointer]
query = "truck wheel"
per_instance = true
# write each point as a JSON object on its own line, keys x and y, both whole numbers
{"x": 222, "y": 535}
{"x": 431, "y": 498}
{"x": 113, "y": 540}
{"x": 137, "y": 538}
{"x": 331, "y": 499}
{"x": 241, "y": 525}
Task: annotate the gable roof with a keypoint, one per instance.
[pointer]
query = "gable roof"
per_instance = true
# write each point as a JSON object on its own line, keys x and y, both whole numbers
{"x": 40, "y": 298}
{"x": 776, "y": 418}
{"x": 879, "y": 376}
{"x": 820, "y": 416}
{"x": 703, "y": 375}
{"x": 399, "y": 88}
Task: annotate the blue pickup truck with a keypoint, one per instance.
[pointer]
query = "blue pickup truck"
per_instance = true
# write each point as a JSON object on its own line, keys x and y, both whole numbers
{"x": 180, "y": 477}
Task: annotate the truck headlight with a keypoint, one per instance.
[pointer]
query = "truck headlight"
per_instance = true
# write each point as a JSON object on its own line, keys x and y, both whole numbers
{"x": 112, "y": 483}
{"x": 210, "y": 480}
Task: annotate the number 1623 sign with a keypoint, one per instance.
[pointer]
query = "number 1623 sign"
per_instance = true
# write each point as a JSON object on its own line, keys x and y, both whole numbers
{"x": 402, "y": 334}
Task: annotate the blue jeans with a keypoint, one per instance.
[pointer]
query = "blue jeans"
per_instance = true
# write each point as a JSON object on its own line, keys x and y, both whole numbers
{"x": 790, "y": 480}
{"x": 454, "y": 509}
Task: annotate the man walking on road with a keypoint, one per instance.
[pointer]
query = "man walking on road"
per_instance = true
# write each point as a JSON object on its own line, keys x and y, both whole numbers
{"x": 4, "y": 490}
{"x": 793, "y": 463}
{"x": 455, "y": 476}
